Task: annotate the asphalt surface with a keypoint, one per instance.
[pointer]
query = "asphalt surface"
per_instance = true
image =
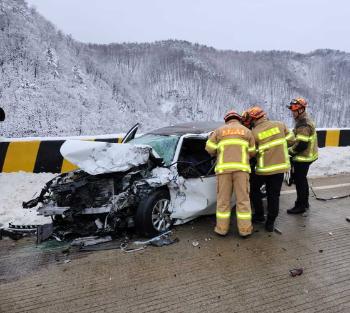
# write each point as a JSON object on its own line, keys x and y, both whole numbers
{"x": 219, "y": 275}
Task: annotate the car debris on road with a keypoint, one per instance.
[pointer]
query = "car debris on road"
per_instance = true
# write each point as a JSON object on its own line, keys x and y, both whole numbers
{"x": 296, "y": 272}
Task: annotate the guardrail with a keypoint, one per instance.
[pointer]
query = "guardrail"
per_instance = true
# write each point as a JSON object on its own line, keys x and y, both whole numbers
{"x": 37, "y": 155}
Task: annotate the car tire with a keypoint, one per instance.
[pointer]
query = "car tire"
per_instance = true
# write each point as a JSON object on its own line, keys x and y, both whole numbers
{"x": 147, "y": 211}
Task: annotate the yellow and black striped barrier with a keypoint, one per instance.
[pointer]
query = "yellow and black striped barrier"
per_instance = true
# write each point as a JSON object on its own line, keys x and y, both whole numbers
{"x": 38, "y": 156}
{"x": 333, "y": 137}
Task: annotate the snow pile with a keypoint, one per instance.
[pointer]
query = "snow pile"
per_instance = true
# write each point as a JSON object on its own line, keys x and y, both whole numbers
{"x": 102, "y": 157}
{"x": 331, "y": 161}
{"x": 16, "y": 188}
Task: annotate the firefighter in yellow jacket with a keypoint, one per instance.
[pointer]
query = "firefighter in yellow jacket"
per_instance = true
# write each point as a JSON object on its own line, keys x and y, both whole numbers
{"x": 233, "y": 144}
{"x": 303, "y": 153}
{"x": 272, "y": 139}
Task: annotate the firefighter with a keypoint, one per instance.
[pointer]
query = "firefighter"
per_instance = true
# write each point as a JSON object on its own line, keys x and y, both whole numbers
{"x": 247, "y": 122}
{"x": 303, "y": 153}
{"x": 272, "y": 139}
{"x": 233, "y": 144}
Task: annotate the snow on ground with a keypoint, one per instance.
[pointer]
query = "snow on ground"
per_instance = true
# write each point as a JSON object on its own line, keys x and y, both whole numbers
{"x": 331, "y": 161}
{"x": 18, "y": 187}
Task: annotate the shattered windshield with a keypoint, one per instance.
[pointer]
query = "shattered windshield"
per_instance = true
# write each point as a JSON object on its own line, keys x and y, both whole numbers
{"x": 165, "y": 146}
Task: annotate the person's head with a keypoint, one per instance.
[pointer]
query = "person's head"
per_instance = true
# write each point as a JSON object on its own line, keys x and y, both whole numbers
{"x": 297, "y": 106}
{"x": 255, "y": 113}
{"x": 2, "y": 115}
{"x": 232, "y": 115}
{"x": 246, "y": 120}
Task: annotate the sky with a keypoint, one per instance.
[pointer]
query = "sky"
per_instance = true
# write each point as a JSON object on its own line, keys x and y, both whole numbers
{"x": 297, "y": 25}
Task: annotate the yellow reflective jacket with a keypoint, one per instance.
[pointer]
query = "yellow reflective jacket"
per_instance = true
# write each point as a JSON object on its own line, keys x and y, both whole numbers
{"x": 305, "y": 132}
{"x": 233, "y": 144}
{"x": 272, "y": 139}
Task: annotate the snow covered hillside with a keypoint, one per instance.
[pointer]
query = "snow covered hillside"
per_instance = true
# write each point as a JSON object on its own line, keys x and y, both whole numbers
{"x": 52, "y": 85}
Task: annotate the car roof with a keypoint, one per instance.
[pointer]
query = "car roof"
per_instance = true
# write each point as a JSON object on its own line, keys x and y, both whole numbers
{"x": 187, "y": 128}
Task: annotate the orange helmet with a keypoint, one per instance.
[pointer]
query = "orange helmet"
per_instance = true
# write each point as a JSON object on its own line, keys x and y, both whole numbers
{"x": 246, "y": 119}
{"x": 256, "y": 112}
{"x": 297, "y": 104}
{"x": 232, "y": 115}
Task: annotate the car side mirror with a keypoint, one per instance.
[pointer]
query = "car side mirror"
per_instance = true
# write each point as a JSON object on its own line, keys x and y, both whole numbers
{"x": 2, "y": 115}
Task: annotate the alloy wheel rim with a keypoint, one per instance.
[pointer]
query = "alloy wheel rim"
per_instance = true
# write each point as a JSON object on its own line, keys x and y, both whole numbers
{"x": 161, "y": 220}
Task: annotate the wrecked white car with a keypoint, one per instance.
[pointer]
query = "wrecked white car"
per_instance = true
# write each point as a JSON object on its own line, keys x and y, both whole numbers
{"x": 149, "y": 183}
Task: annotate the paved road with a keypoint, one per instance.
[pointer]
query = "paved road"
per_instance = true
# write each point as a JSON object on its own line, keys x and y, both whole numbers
{"x": 219, "y": 275}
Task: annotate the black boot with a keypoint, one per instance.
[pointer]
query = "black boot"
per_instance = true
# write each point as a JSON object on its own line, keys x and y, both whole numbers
{"x": 270, "y": 226}
{"x": 296, "y": 210}
{"x": 258, "y": 218}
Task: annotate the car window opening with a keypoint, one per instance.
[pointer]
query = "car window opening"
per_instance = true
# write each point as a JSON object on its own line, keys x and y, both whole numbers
{"x": 194, "y": 161}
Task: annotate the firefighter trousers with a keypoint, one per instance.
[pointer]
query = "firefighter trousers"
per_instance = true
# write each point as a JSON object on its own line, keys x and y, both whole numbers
{"x": 301, "y": 184}
{"x": 273, "y": 190}
{"x": 237, "y": 183}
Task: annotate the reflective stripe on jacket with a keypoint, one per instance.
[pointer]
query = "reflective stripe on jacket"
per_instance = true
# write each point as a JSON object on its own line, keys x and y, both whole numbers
{"x": 272, "y": 140}
{"x": 305, "y": 131}
{"x": 234, "y": 145}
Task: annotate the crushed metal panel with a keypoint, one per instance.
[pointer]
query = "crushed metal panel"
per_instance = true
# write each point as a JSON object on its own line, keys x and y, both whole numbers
{"x": 195, "y": 197}
{"x": 103, "y": 157}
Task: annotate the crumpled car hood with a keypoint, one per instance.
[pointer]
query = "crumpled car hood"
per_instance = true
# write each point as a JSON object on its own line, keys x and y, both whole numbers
{"x": 103, "y": 157}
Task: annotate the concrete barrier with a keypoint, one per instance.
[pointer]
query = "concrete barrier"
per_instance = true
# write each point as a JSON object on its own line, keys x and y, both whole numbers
{"x": 37, "y": 155}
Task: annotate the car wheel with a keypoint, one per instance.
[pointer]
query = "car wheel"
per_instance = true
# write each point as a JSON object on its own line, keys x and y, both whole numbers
{"x": 153, "y": 215}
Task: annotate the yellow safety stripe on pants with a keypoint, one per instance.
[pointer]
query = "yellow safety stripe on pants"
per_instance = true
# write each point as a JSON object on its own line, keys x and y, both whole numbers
{"x": 211, "y": 144}
{"x": 304, "y": 138}
{"x": 244, "y": 216}
{"x": 268, "y": 133}
{"x": 223, "y": 214}
{"x": 220, "y": 168}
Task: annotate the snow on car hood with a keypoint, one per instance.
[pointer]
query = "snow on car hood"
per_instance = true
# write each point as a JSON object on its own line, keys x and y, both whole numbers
{"x": 103, "y": 157}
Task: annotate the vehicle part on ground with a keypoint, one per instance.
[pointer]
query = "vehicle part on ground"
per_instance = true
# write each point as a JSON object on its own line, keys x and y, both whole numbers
{"x": 328, "y": 198}
{"x": 124, "y": 247}
{"x": 149, "y": 241}
{"x": 110, "y": 245}
{"x": 296, "y": 272}
{"x": 90, "y": 241}
{"x": 277, "y": 230}
{"x": 44, "y": 232}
